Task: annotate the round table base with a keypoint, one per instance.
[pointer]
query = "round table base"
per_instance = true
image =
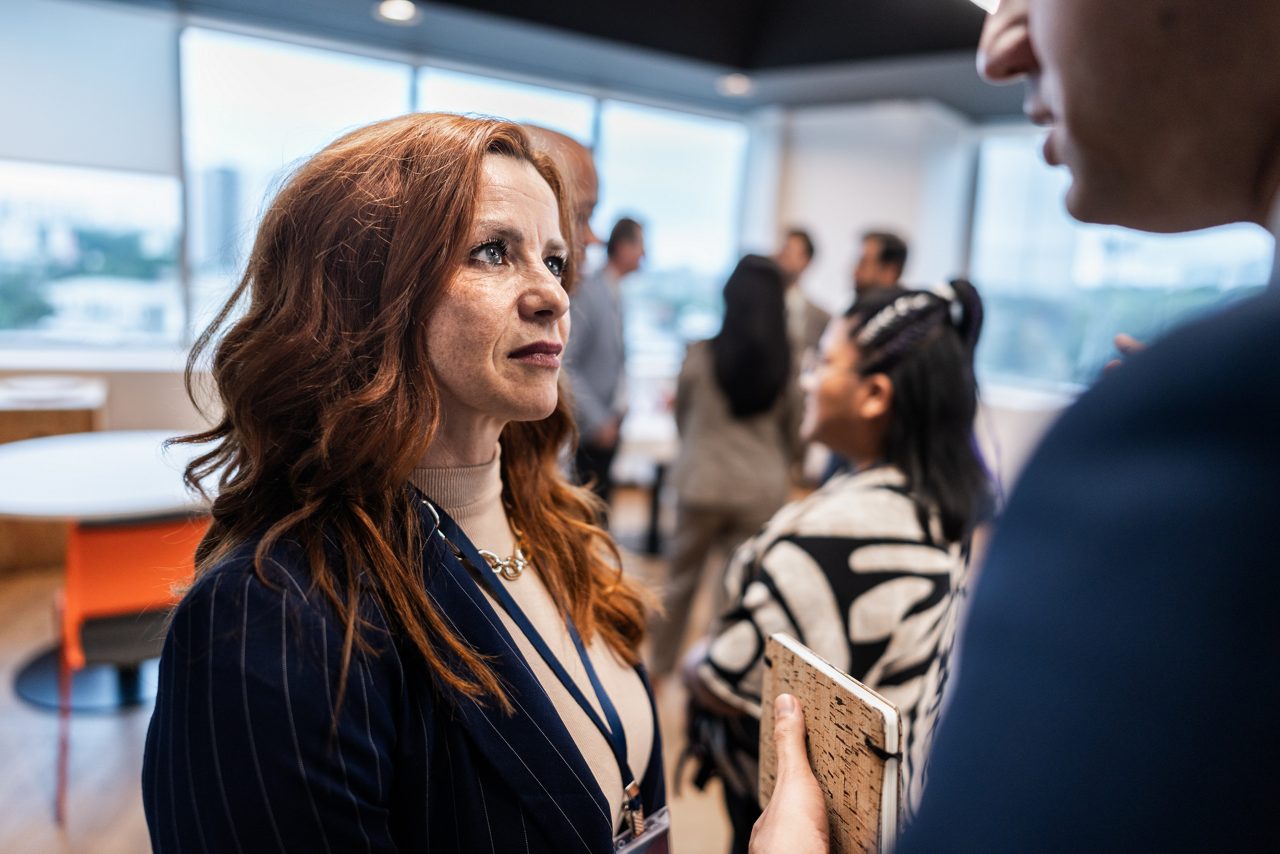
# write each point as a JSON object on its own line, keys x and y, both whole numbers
{"x": 95, "y": 688}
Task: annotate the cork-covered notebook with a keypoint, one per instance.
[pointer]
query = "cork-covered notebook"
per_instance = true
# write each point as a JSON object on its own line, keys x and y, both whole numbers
{"x": 855, "y": 745}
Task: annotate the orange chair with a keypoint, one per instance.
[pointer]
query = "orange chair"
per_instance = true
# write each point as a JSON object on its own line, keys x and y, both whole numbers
{"x": 118, "y": 570}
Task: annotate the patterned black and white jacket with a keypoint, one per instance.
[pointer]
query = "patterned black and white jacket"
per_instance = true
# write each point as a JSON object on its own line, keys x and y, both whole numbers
{"x": 852, "y": 573}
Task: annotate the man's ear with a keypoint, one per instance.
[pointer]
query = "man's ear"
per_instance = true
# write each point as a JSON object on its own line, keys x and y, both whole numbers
{"x": 876, "y": 397}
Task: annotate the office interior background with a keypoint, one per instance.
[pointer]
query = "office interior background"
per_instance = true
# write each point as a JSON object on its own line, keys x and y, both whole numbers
{"x": 142, "y": 138}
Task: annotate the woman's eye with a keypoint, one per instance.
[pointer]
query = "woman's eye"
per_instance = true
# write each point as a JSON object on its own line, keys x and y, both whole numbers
{"x": 556, "y": 265}
{"x": 494, "y": 252}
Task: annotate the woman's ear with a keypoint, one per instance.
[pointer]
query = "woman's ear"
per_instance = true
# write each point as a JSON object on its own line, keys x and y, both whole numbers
{"x": 876, "y": 397}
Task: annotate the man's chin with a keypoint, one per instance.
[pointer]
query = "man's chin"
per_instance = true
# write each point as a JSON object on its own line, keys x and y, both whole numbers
{"x": 1084, "y": 205}
{"x": 1131, "y": 209}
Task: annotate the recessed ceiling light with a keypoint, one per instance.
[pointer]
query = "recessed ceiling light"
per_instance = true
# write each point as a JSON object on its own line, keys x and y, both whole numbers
{"x": 988, "y": 6}
{"x": 400, "y": 12}
{"x": 735, "y": 85}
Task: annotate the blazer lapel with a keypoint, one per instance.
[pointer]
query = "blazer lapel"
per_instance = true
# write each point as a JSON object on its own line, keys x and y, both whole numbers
{"x": 532, "y": 748}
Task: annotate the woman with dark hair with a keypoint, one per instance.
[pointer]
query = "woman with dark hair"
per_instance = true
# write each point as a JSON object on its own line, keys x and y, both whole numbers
{"x": 868, "y": 570}
{"x": 406, "y": 632}
{"x": 737, "y": 409}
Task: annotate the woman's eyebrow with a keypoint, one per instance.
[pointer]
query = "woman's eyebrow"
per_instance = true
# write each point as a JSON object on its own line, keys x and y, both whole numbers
{"x": 489, "y": 229}
{"x": 495, "y": 229}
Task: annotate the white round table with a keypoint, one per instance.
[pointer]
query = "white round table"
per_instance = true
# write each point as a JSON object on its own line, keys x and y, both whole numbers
{"x": 121, "y": 476}
{"x": 108, "y": 475}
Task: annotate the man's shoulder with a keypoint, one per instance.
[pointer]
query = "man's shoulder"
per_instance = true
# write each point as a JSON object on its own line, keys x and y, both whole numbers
{"x": 592, "y": 281}
{"x": 591, "y": 295}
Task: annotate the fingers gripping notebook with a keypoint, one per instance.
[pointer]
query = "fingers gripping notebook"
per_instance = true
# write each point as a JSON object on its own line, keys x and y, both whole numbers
{"x": 855, "y": 745}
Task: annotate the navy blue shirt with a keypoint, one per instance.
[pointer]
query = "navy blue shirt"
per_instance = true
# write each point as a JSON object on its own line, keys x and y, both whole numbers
{"x": 1117, "y": 686}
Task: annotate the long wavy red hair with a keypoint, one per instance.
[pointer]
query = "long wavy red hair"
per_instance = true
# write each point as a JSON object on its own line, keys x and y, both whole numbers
{"x": 328, "y": 400}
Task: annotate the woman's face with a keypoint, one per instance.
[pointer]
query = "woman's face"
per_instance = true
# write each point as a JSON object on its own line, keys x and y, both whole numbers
{"x": 497, "y": 335}
{"x": 842, "y": 409}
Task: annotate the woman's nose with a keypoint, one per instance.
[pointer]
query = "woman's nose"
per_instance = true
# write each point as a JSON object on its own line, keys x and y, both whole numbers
{"x": 544, "y": 298}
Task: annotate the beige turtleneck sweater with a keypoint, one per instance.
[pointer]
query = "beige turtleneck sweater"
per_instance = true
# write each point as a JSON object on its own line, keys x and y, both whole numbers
{"x": 472, "y": 495}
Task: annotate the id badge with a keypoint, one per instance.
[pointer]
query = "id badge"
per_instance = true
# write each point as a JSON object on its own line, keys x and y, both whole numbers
{"x": 656, "y": 838}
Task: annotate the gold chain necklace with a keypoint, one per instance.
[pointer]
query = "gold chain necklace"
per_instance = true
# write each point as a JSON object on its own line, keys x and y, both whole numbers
{"x": 510, "y": 567}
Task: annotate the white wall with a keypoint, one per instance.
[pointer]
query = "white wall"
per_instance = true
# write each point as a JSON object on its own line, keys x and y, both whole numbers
{"x": 904, "y": 166}
{"x": 60, "y": 108}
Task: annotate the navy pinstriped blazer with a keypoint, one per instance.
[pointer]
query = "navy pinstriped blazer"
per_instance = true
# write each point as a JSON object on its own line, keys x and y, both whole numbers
{"x": 242, "y": 756}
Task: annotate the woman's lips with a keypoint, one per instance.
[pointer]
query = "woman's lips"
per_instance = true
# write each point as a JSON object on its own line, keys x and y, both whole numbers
{"x": 541, "y": 354}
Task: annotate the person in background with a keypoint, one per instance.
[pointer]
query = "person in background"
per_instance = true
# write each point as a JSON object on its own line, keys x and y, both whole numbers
{"x": 582, "y": 184}
{"x": 883, "y": 258}
{"x": 1114, "y": 690}
{"x": 737, "y": 410}
{"x": 596, "y": 358}
{"x": 401, "y": 607}
{"x": 867, "y": 570}
{"x": 805, "y": 321}
{"x": 881, "y": 262}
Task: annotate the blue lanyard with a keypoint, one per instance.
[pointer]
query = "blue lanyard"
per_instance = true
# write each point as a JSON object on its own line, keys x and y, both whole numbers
{"x": 612, "y": 731}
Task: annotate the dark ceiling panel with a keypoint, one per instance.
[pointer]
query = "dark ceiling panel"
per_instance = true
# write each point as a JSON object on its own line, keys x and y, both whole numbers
{"x": 716, "y": 31}
{"x": 758, "y": 35}
{"x": 752, "y": 35}
{"x": 810, "y": 32}
{"x": 800, "y": 52}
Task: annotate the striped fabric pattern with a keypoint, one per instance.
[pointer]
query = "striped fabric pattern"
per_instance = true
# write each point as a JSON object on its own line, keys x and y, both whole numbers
{"x": 244, "y": 752}
{"x": 851, "y": 573}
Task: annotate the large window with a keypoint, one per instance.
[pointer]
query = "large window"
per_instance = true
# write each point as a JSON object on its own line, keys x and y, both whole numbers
{"x": 1057, "y": 292}
{"x": 681, "y": 176}
{"x": 88, "y": 257}
{"x": 92, "y": 252}
{"x": 253, "y": 108}
{"x": 571, "y": 113}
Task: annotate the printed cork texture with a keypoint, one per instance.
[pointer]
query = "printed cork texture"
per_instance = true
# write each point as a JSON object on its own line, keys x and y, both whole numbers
{"x": 854, "y": 738}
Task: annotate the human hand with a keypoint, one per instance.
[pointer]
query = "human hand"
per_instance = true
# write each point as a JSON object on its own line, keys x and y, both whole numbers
{"x": 1127, "y": 345}
{"x": 796, "y": 818}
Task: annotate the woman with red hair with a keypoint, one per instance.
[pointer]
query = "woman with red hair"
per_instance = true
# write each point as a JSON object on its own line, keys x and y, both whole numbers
{"x": 406, "y": 631}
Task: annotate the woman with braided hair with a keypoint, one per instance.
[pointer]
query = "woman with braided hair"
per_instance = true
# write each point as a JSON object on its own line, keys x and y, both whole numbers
{"x": 868, "y": 570}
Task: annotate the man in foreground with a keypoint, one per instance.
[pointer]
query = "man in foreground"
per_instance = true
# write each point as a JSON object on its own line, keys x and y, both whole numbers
{"x": 1116, "y": 687}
